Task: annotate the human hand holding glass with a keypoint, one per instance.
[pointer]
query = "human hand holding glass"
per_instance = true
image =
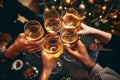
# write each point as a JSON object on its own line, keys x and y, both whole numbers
{"x": 82, "y": 55}
{"x": 52, "y": 21}
{"x": 52, "y": 48}
{"x": 69, "y": 37}
{"x": 34, "y": 31}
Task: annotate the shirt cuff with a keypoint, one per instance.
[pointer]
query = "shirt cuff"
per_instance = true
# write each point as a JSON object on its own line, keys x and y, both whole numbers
{"x": 96, "y": 69}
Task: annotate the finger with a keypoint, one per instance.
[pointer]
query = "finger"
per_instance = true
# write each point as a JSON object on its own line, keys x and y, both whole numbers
{"x": 34, "y": 50}
{"x": 81, "y": 32}
{"x": 59, "y": 53}
{"x": 83, "y": 25}
{"x": 22, "y": 35}
{"x": 70, "y": 50}
{"x": 35, "y": 43}
{"x": 80, "y": 44}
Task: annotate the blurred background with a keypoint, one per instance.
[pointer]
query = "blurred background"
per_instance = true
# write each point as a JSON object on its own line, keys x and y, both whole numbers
{"x": 101, "y": 14}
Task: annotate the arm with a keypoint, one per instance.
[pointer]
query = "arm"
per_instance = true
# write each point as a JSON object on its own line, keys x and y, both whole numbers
{"x": 96, "y": 71}
{"x": 110, "y": 40}
{"x": 26, "y": 12}
{"x": 21, "y": 44}
{"x": 105, "y": 37}
{"x": 14, "y": 51}
{"x": 49, "y": 61}
{"x": 99, "y": 73}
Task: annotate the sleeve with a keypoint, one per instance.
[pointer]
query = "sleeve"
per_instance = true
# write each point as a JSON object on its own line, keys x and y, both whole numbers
{"x": 114, "y": 43}
{"x": 26, "y": 12}
{"x": 99, "y": 73}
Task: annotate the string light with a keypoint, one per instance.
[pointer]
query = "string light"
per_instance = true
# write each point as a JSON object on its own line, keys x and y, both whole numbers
{"x": 55, "y": 0}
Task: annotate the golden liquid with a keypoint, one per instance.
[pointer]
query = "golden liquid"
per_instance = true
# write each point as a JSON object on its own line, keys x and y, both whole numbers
{"x": 72, "y": 20}
{"x": 69, "y": 38}
{"x": 34, "y": 33}
{"x": 52, "y": 46}
{"x": 53, "y": 24}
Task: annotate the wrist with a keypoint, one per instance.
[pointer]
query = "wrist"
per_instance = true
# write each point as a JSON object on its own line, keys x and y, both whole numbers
{"x": 89, "y": 65}
{"x": 45, "y": 74}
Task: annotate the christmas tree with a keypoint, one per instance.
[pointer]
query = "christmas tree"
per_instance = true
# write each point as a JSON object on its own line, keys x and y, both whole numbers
{"x": 101, "y": 14}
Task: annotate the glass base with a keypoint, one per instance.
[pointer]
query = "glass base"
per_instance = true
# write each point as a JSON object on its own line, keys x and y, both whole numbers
{"x": 58, "y": 67}
{"x": 68, "y": 57}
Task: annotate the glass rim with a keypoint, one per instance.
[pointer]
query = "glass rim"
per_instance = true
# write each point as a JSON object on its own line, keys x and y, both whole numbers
{"x": 49, "y": 11}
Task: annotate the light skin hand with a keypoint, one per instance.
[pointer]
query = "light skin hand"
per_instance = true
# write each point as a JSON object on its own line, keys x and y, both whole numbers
{"x": 21, "y": 44}
{"x": 86, "y": 29}
{"x": 103, "y": 36}
{"x": 82, "y": 56}
{"x": 49, "y": 61}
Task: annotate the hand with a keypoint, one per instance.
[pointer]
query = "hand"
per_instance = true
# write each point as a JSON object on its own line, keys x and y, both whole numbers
{"x": 85, "y": 29}
{"x": 49, "y": 60}
{"x": 82, "y": 56}
{"x": 103, "y": 36}
{"x": 21, "y": 44}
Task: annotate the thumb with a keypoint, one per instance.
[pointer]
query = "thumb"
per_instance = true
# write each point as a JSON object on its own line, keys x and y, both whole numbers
{"x": 70, "y": 51}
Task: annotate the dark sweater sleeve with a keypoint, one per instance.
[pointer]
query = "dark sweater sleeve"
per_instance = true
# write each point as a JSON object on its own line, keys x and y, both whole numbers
{"x": 26, "y": 12}
{"x": 114, "y": 43}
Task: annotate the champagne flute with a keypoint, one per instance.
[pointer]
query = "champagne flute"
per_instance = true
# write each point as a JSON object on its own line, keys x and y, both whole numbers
{"x": 34, "y": 31}
{"x": 52, "y": 20}
{"x": 69, "y": 37}
{"x": 53, "y": 45}
{"x": 71, "y": 17}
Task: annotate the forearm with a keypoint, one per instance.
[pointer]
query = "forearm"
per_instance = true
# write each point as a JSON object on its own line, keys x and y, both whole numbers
{"x": 11, "y": 52}
{"x": 89, "y": 64}
{"x": 45, "y": 74}
{"x": 105, "y": 37}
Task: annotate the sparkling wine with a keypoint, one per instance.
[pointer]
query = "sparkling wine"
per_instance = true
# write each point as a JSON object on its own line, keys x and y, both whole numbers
{"x": 71, "y": 19}
{"x": 69, "y": 37}
{"x": 34, "y": 33}
{"x": 53, "y": 24}
{"x": 52, "y": 45}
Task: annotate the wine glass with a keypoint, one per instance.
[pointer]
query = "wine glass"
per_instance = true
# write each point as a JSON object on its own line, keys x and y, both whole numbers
{"x": 53, "y": 45}
{"x": 71, "y": 17}
{"x": 69, "y": 37}
{"x": 52, "y": 20}
{"x": 34, "y": 31}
